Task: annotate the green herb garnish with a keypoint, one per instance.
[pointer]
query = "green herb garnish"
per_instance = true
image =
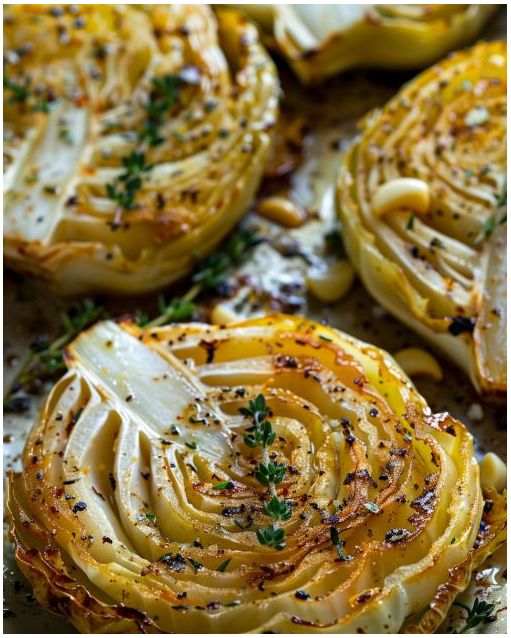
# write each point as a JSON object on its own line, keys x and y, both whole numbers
{"x": 163, "y": 96}
{"x": 502, "y": 197}
{"x": 334, "y": 241}
{"x": 223, "y": 566}
{"x": 257, "y": 409}
{"x": 489, "y": 227}
{"x": 45, "y": 106}
{"x": 20, "y": 93}
{"x": 270, "y": 473}
{"x": 127, "y": 185}
{"x": 44, "y": 360}
{"x": 480, "y": 612}
{"x": 65, "y": 136}
{"x": 275, "y": 508}
{"x": 262, "y": 435}
{"x": 226, "y": 485}
{"x": 209, "y": 273}
{"x": 272, "y": 537}
{"x": 261, "y": 432}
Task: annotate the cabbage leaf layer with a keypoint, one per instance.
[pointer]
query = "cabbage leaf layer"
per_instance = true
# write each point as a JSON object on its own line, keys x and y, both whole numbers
{"x": 442, "y": 272}
{"x": 143, "y": 506}
{"x": 135, "y": 139}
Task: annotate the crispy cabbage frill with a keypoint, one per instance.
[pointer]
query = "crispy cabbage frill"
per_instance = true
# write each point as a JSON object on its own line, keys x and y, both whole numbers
{"x": 270, "y": 476}
{"x": 135, "y": 139}
{"x": 320, "y": 40}
{"x": 422, "y": 197}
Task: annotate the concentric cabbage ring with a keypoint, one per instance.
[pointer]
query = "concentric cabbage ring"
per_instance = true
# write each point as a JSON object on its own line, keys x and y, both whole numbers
{"x": 322, "y": 40}
{"x": 138, "y": 506}
{"x": 442, "y": 272}
{"x": 179, "y": 101}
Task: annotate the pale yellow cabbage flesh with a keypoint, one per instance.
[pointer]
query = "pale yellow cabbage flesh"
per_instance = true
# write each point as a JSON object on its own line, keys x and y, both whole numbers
{"x": 123, "y": 465}
{"x": 94, "y": 70}
{"x": 320, "y": 40}
{"x": 443, "y": 273}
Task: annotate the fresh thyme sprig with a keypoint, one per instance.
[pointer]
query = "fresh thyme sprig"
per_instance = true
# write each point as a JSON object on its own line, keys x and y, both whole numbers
{"x": 261, "y": 432}
{"x": 272, "y": 473}
{"x": 277, "y": 509}
{"x": 480, "y": 612}
{"x": 223, "y": 566}
{"x": 162, "y": 98}
{"x": 165, "y": 91}
{"x": 127, "y": 185}
{"x": 22, "y": 94}
{"x": 272, "y": 537}
{"x": 502, "y": 197}
{"x": 268, "y": 473}
{"x": 210, "y": 272}
{"x": 44, "y": 360}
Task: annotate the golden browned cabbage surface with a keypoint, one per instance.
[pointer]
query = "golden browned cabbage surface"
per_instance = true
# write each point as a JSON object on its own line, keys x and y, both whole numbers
{"x": 320, "y": 40}
{"x": 438, "y": 261}
{"x": 135, "y": 138}
{"x": 143, "y": 505}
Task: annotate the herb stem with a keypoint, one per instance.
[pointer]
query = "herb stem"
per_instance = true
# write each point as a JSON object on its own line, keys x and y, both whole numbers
{"x": 269, "y": 474}
{"x": 45, "y": 361}
{"x": 481, "y": 611}
{"x": 265, "y": 456}
{"x": 168, "y": 315}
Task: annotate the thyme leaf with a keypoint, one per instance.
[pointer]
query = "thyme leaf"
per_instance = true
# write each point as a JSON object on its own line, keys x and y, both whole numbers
{"x": 124, "y": 189}
{"x": 226, "y": 485}
{"x": 481, "y": 611}
{"x": 208, "y": 274}
{"x": 20, "y": 93}
{"x": 261, "y": 432}
{"x": 275, "y": 508}
{"x": 162, "y": 97}
{"x": 272, "y": 537}
{"x": 45, "y": 361}
{"x": 223, "y": 566}
{"x": 270, "y": 473}
{"x": 164, "y": 93}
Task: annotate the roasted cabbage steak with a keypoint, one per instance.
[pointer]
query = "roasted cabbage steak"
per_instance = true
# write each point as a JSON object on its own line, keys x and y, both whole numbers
{"x": 422, "y": 196}
{"x": 135, "y": 137}
{"x": 274, "y": 475}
